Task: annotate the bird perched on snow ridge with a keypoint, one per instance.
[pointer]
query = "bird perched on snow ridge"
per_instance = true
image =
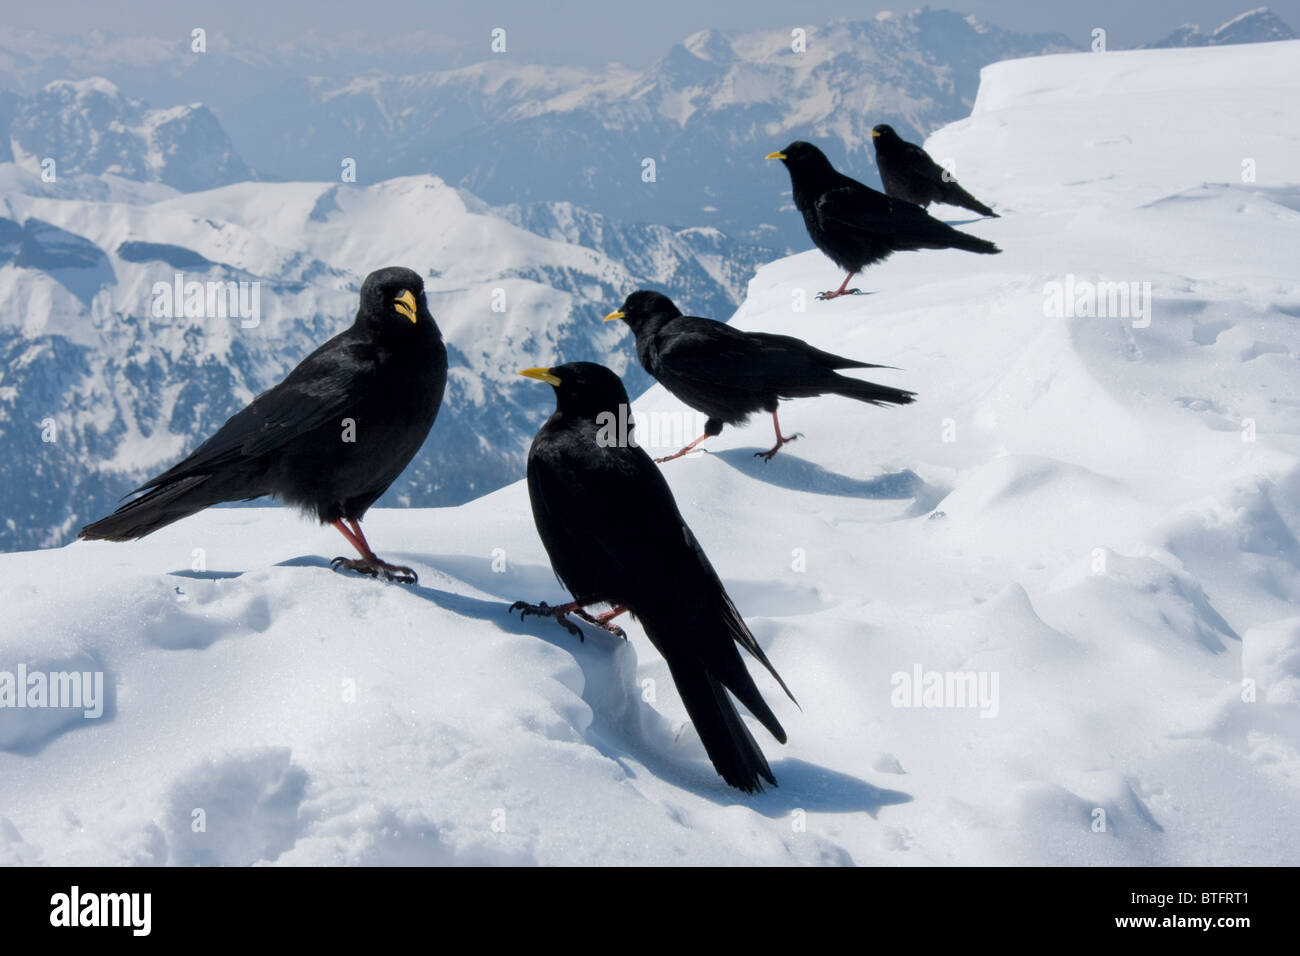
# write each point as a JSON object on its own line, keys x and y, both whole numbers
{"x": 329, "y": 439}
{"x": 728, "y": 374}
{"x": 855, "y": 225}
{"x": 908, "y": 172}
{"x": 614, "y": 536}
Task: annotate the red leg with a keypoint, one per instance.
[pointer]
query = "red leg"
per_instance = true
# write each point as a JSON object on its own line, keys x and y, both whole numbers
{"x": 365, "y": 545}
{"x": 353, "y": 540}
{"x": 780, "y": 440}
{"x": 684, "y": 450}
{"x": 842, "y": 290}
{"x": 369, "y": 563}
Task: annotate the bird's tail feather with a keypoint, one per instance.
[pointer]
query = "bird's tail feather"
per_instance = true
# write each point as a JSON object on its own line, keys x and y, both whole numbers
{"x": 153, "y": 510}
{"x": 870, "y": 392}
{"x": 839, "y": 361}
{"x": 962, "y": 240}
{"x": 728, "y": 742}
{"x": 957, "y": 196}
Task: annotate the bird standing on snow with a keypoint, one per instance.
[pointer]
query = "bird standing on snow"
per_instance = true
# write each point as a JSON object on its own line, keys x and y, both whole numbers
{"x": 614, "y": 536}
{"x": 329, "y": 439}
{"x": 728, "y": 374}
{"x": 908, "y": 172}
{"x": 855, "y": 225}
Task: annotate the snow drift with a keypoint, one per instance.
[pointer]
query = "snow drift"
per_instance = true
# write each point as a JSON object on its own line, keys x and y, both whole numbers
{"x": 1048, "y": 614}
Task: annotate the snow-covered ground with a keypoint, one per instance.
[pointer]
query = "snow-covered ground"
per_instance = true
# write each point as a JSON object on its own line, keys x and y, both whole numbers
{"x": 1095, "y": 516}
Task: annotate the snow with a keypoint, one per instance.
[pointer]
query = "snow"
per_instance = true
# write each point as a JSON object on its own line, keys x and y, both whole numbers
{"x": 1096, "y": 516}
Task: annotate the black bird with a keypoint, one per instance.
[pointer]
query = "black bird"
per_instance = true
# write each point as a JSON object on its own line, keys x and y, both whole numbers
{"x": 728, "y": 374}
{"x": 855, "y": 225}
{"x": 908, "y": 172}
{"x": 615, "y": 537}
{"x": 329, "y": 439}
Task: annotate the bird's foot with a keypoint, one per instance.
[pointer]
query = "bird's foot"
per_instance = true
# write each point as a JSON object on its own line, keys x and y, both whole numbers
{"x": 767, "y": 455}
{"x": 602, "y": 621}
{"x": 561, "y": 613}
{"x": 545, "y": 610}
{"x": 827, "y": 296}
{"x": 375, "y": 568}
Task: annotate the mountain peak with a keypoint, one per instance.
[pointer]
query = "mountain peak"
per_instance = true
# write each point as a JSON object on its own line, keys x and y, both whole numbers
{"x": 90, "y": 84}
{"x": 89, "y": 126}
{"x": 711, "y": 45}
{"x": 1253, "y": 26}
{"x": 1260, "y": 25}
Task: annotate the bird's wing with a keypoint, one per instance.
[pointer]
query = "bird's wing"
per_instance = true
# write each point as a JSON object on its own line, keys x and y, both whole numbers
{"x": 788, "y": 343}
{"x": 602, "y": 522}
{"x": 718, "y": 356}
{"x": 736, "y": 626}
{"x": 855, "y": 207}
{"x": 618, "y": 521}
{"x": 859, "y": 208}
{"x": 921, "y": 163}
{"x": 867, "y": 211}
{"x": 323, "y": 388}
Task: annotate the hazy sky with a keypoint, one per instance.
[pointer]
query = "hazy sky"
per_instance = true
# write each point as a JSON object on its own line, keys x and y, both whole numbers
{"x": 596, "y": 31}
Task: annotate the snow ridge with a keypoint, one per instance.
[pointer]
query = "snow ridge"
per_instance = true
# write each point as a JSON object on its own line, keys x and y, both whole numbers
{"x": 1048, "y": 614}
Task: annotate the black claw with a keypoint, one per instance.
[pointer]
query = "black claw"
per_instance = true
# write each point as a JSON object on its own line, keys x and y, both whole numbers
{"x": 524, "y": 608}
{"x": 542, "y": 609}
{"x": 395, "y": 572}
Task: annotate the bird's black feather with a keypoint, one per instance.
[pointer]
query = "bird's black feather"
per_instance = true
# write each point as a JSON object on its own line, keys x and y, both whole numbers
{"x": 729, "y": 374}
{"x": 378, "y": 383}
{"x": 614, "y": 534}
{"x": 854, "y": 225}
{"x": 907, "y": 172}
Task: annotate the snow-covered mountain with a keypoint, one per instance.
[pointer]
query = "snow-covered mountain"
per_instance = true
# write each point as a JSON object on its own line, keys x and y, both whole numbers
{"x": 90, "y": 126}
{"x": 515, "y": 132}
{"x": 97, "y": 391}
{"x": 1090, "y": 515}
{"x": 705, "y": 113}
{"x": 1260, "y": 25}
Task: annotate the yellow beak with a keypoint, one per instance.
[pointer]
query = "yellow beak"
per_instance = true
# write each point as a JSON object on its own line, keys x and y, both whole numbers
{"x": 405, "y": 305}
{"x": 875, "y": 135}
{"x": 775, "y": 156}
{"x": 542, "y": 375}
{"x": 612, "y": 316}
